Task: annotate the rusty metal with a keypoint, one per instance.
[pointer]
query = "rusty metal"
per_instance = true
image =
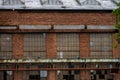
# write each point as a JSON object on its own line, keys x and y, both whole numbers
{"x": 54, "y": 69}
{"x": 89, "y": 60}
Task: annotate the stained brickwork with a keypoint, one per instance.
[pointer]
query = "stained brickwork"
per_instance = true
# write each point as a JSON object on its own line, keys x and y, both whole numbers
{"x": 53, "y": 18}
{"x": 56, "y": 17}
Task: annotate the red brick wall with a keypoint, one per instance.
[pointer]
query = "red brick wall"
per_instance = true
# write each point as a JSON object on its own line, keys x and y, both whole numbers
{"x": 55, "y": 17}
{"x": 84, "y": 45}
{"x": 52, "y": 18}
{"x": 17, "y": 53}
{"x": 18, "y": 45}
{"x": 85, "y": 75}
{"x": 51, "y": 53}
{"x": 52, "y": 75}
{"x": 18, "y": 75}
{"x": 51, "y": 45}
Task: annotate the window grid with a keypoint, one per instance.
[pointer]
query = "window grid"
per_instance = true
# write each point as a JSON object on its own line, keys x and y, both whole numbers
{"x": 68, "y": 45}
{"x": 52, "y": 2}
{"x": 91, "y": 2}
{"x": 101, "y": 45}
{"x": 12, "y": 2}
{"x": 35, "y": 45}
{"x": 68, "y": 74}
{"x": 5, "y": 46}
{"x": 33, "y": 75}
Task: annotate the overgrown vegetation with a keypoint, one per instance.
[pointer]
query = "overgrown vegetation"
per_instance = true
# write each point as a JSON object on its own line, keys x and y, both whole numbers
{"x": 117, "y": 24}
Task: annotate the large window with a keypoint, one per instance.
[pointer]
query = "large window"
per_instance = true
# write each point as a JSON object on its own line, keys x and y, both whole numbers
{"x": 5, "y": 46}
{"x": 68, "y": 45}
{"x": 35, "y": 45}
{"x": 101, "y": 45}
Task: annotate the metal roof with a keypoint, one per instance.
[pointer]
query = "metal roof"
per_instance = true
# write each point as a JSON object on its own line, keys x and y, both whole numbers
{"x": 59, "y": 4}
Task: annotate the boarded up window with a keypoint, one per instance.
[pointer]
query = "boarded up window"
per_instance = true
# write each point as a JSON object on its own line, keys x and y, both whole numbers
{"x": 68, "y": 45}
{"x": 101, "y": 45}
{"x": 35, "y": 45}
{"x": 5, "y": 46}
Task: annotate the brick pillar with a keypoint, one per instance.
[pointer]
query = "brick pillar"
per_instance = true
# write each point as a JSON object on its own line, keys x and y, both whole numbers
{"x": 116, "y": 48}
{"x": 52, "y": 75}
{"x": 117, "y": 76}
{"x": 17, "y": 53}
{"x": 18, "y": 45}
{"x": 51, "y": 45}
{"x": 85, "y": 75}
{"x": 84, "y": 53}
{"x": 51, "y": 53}
{"x": 18, "y": 75}
{"x": 84, "y": 45}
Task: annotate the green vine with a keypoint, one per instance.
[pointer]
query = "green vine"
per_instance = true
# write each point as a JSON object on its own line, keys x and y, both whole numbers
{"x": 116, "y": 12}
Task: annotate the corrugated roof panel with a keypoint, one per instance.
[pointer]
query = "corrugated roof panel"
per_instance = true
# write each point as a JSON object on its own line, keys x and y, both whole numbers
{"x": 59, "y": 4}
{"x": 90, "y": 2}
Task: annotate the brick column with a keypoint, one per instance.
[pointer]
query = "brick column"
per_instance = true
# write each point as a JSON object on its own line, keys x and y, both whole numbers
{"x": 17, "y": 53}
{"x": 18, "y": 75}
{"x": 116, "y": 48}
{"x": 18, "y": 45}
{"x": 85, "y": 75}
{"x": 84, "y": 53}
{"x": 117, "y": 76}
{"x": 84, "y": 45}
{"x": 51, "y": 46}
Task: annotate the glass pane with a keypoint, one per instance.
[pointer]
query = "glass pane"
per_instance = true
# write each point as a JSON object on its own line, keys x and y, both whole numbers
{"x": 101, "y": 45}
{"x": 35, "y": 45}
{"x": 68, "y": 45}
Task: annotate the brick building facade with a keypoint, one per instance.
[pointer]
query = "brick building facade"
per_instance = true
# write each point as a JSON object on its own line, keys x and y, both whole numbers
{"x": 58, "y": 44}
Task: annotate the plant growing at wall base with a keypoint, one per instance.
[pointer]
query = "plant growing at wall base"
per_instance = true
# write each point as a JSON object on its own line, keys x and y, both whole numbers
{"x": 117, "y": 24}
